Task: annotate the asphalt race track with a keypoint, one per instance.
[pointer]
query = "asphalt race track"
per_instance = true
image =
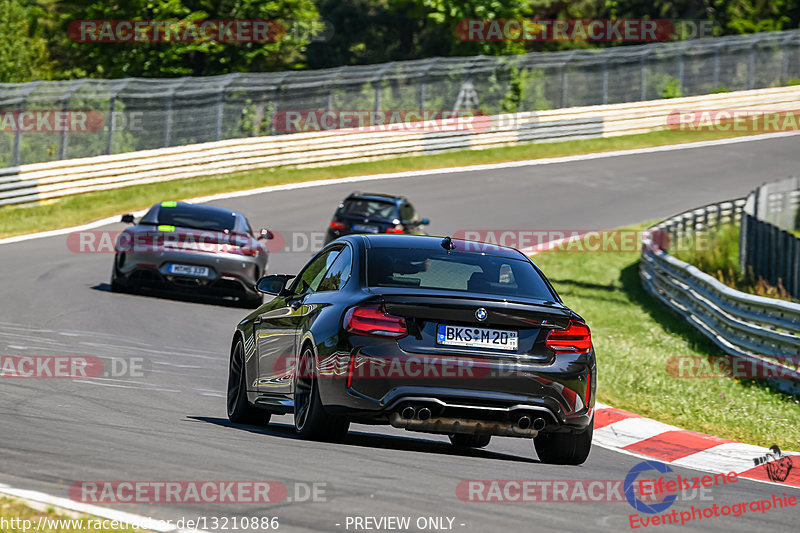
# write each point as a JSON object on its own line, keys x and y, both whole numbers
{"x": 171, "y": 423}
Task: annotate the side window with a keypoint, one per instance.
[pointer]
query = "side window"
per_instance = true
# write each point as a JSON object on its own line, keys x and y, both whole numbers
{"x": 309, "y": 279}
{"x": 407, "y": 213}
{"x": 339, "y": 272}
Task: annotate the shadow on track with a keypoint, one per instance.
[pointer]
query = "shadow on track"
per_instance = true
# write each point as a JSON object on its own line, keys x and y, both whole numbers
{"x": 177, "y": 296}
{"x": 371, "y": 440}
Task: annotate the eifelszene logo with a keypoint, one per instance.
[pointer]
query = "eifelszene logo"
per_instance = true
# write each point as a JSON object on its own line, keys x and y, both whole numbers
{"x": 777, "y": 464}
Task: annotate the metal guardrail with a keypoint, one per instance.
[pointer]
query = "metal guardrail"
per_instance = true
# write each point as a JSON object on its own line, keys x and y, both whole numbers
{"x": 146, "y": 114}
{"x": 763, "y": 331}
{"x": 767, "y": 248}
{"x": 40, "y": 181}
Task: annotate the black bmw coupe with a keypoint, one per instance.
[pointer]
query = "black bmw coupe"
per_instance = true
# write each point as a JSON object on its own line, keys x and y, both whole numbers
{"x": 427, "y": 334}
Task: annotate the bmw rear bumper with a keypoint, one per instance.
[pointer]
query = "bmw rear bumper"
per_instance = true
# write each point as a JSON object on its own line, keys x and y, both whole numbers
{"x": 443, "y": 394}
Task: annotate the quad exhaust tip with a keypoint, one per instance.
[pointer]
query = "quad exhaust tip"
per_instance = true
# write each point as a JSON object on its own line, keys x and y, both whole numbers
{"x": 524, "y": 422}
{"x": 539, "y": 424}
{"x": 408, "y": 413}
{"x": 424, "y": 413}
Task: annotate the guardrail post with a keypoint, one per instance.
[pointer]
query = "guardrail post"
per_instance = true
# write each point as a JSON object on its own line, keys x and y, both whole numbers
{"x": 605, "y": 81}
{"x": 716, "y": 66}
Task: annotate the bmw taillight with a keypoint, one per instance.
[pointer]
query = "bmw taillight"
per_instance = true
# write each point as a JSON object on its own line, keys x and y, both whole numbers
{"x": 575, "y": 338}
{"x": 396, "y": 230}
{"x": 373, "y": 320}
{"x": 337, "y": 225}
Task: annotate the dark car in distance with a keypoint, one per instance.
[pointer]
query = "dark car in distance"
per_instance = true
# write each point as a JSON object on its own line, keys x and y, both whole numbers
{"x": 374, "y": 213}
{"x": 427, "y": 334}
{"x": 191, "y": 249}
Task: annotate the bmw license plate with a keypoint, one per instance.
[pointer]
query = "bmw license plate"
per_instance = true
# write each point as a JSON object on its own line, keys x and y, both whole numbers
{"x": 497, "y": 339}
{"x": 189, "y": 270}
{"x": 365, "y": 228}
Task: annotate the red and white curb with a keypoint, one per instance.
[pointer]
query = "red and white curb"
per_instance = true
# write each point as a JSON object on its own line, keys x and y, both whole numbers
{"x": 630, "y": 433}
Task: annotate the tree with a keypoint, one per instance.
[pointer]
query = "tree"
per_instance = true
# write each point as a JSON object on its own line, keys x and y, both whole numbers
{"x": 23, "y": 51}
{"x": 190, "y": 58}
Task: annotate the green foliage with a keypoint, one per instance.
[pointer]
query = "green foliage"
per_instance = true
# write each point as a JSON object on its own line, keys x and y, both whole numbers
{"x": 23, "y": 50}
{"x": 720, "y": 89}
{"x": 197, "y": 58}
{"x": 672, "y": 89}
{"x": 717, "y": 254}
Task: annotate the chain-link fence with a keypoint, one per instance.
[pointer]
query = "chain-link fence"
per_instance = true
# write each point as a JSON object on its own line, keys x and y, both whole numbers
{"x": 137, "y": 114}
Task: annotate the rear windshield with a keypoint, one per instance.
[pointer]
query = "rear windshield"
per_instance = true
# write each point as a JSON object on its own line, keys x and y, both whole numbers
{"x": 369, "y": 208}
{"x": 430, "y": 269}
{"x": 192, "y": 217}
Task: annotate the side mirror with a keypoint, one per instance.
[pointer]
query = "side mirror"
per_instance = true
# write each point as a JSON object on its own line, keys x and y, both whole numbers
{"x": 265, "y": 234}
{"x": 425, "y": 222}
{"x": 275, "y": 284}
{"x": 127, "y": 218}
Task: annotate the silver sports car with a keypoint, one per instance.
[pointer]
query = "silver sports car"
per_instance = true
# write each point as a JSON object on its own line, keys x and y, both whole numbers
{"x": 193, "y": 249}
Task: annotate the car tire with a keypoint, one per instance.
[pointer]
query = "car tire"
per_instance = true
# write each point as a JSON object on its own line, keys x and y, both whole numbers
{"x": 117, "y": 285}
{"x": 311, "y": 421}
{"x": 460, "y": 440}
{"x": 240, "y": 411}
{"x": 565, "y": 448}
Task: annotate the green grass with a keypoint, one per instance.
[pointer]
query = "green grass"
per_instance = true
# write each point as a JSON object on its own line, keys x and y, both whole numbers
{"x": 635, "y": 335}
{"x": 718, "y": 256}
{"x": 72, "y": 210}
{"x": 12, "y": 509}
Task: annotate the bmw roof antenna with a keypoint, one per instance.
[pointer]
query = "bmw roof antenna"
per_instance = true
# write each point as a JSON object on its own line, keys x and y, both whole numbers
{"x": 447, "y": 244}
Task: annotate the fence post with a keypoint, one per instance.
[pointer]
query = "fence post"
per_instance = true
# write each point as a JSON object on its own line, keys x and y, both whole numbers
{"x": 605, "y": 81}
{"x": 716, "y": 66}
{"x": 378, "y": 78}
{"x": 751, "y": 66}
{"x": 62, "y": 144}
{"x": 643, "y": 75}
{"x": 565, "y": 79}
{"x": 112, "y": 117}
{"x": 221, "y": 103}
{"x": 16, "y": 158}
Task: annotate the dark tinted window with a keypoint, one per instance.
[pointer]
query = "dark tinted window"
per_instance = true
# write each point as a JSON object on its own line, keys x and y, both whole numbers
{"x": 369, "y": 208}
{"x": 197, "y": 217}
{"x": 338, "y": 273}
{"x": 407, "y": 213}
{"x": 310, "y": 278}
{"x": 430, "y": 269}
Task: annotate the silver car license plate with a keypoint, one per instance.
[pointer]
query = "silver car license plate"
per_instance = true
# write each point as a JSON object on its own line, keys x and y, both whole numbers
{"x": 189, "y": 270}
